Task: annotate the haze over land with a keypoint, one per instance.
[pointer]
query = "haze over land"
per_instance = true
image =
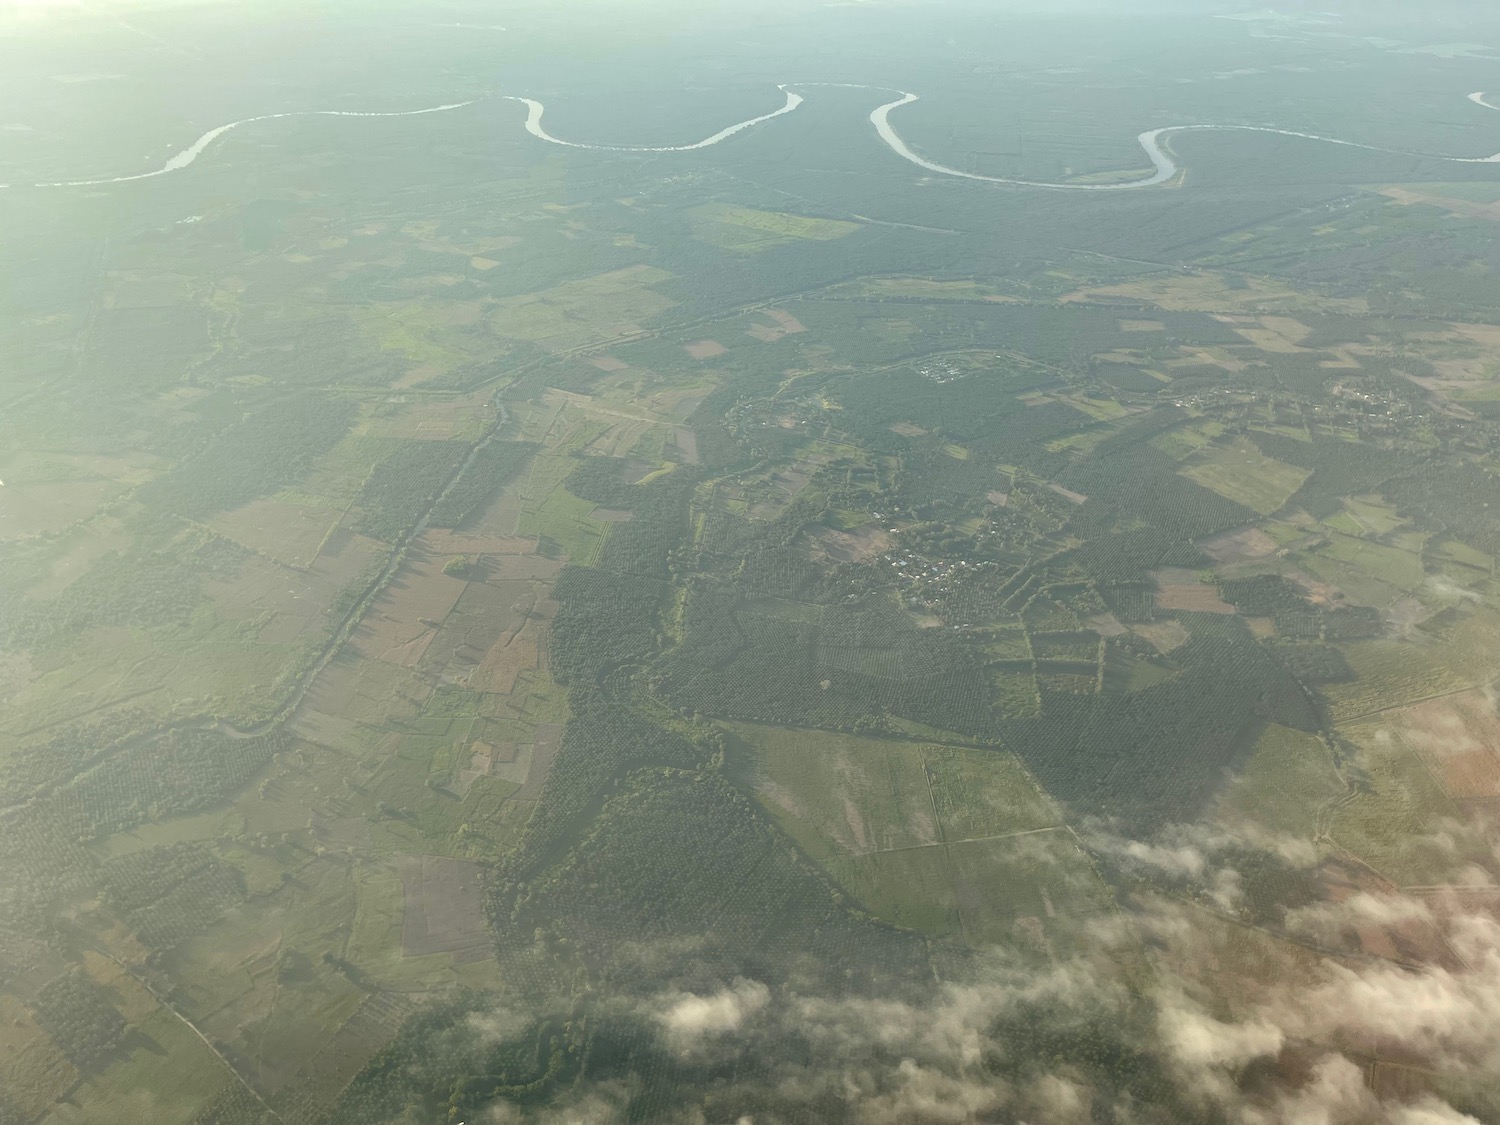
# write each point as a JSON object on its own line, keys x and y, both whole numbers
{"x": 879, "y": 563}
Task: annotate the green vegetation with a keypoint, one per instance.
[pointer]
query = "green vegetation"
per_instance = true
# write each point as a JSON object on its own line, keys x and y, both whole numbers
{"x": 1288, "y": 781}
{"x": 403, "y": 486}
{"x": 275, "y": 445}
{"x": 747, "y": 230}
{"x": 475, "y": 609}
{"x": 168, "y": 892}
{"x": 1240, "y": 472}
{"x": 77, "y": 1013}
{"x": 979, "y": 793}
{"x": 492, "y": 466}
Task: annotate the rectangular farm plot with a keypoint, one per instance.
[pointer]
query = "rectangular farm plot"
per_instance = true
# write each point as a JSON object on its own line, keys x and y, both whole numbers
{"x": 1042, "y": 875}
{"x": 1240, "y": 472}
{"x": 1391, "y": 565}
{"x": 1180, "y": 589}
{"x": 444, "y": 901}
{"x": 289, "y": 533}
{"x": 1390, "y": 824}
{"x": 839, "y": 794}
{"x": 484, "y": 614}
{"x": 593, "y": 310}
{"x": 747, "y": 230}
{"x": 1458, "y": 739}
{"x": 47, "y": 507}
{"x": 1394, "y": 673}
{"x": 1289, "y": 778}
{"x": 980, "y": 793}
{"x": 409, "y": 612}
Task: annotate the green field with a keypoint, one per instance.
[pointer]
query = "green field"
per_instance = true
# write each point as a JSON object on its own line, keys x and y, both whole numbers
{"x": 1240, "y": 472}
{"x": 1289, "y": 779}
{"x": 705, "y": 621}
{"x": 746, "y": 230}
{"x": 1396, "y": 823}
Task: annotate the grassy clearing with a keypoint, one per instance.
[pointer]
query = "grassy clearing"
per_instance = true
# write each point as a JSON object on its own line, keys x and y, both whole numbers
{"x": 1240, "y": 472}
{"x": 1465, "y": 555}
{"x": 983, "y": 891}
{"x": 1390, "y": 565}
{"x": 1401, "y": 822}
{"x": 924, "y": 288}
{"x": 746, "y": 230}
{"x": 592, "y": 310}
{"x": 564, "y": 526}
{"x": 1124, "y": 673}
{"x": 1099, "y": 409}
{"x": 1289, "y": 777}
{"x": 1042, "y": 875}
{"x": 418, "y": 330}
{"x": 1016, "y": 694}
{"x": 1184, "y": 441}
{"x": 1371, "y": 515}
{"x": 910, "y": 888}
{"x": 167, "y": 1078}
{"x": 982, "y": 793}
{"x": 841, "y": 794}
{"x": 1210, "y": 292}
{"x": 1394, "y": 673}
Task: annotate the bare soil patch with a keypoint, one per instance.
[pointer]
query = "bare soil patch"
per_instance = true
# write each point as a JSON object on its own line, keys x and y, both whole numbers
{"x": 705, "y": 349}
{"x": 907, "y": 429}
{"x": 444, "y": 908}
{"x": 609, "y": 363}
{"x": 1106, "y": 625}
{"x": 48, "y": 506}
{"x": 1068, "y": 494}
{"x": 687, "y": 444}
{"x": 1165, "y": 635}
{"x": 501, "y": 568}
{"x": 786, "y": 321}
{"x": 485, "y": 614}
{"x": 1197, "y": 598}
{"x": 408, "y": 613}
{"x": 351, "y": 689}
{"x": 296, "y": 600}
{"x": 1317, "y": 592}
{"x": 503, "y": 515}
{"x": 782, "y": 324}
{"x": 289, "y": 533}
{"x": 1142, "y": 326}
{"x": 504, "y": 760}
{"x": 850, "y": 546}
{"x": 1239, "y": 545}
{"x": 507, "y": 658}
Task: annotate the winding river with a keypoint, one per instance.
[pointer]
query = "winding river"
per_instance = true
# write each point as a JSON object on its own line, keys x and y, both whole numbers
{"x": 1154, "y": 142}
{"x": 197, "y": 148}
